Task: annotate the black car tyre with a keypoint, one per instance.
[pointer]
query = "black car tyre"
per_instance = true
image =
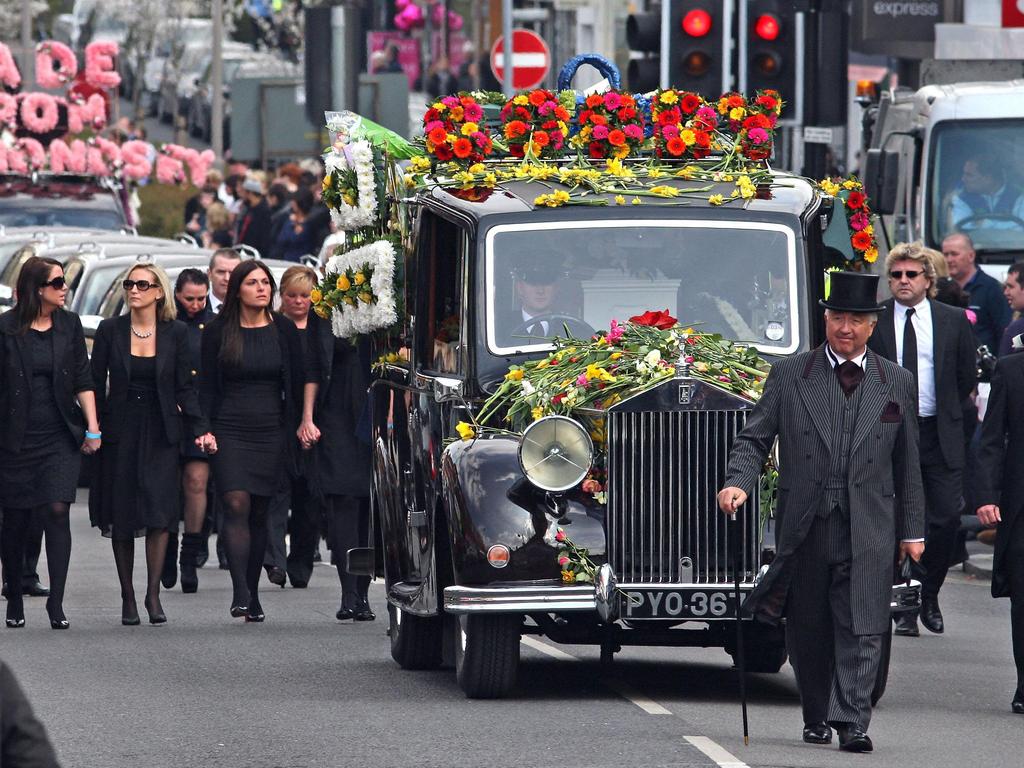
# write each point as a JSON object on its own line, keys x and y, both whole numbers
{"x": 882, "y": 675}
{"x": 415, "y": 640}
{"x": 487, "y": 654}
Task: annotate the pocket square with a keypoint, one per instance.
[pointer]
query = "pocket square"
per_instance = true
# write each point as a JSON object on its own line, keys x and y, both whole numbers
{"x": 892, "y": 413}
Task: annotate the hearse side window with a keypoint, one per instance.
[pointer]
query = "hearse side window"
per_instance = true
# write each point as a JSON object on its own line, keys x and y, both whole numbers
{"x": 442, "y": 255}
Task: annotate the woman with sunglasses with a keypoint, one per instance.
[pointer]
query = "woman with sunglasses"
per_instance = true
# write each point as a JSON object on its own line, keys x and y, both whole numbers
{"x": 44, "y": 369}
{"x": 142, "y": 371}
{"x": 251, "y": 382}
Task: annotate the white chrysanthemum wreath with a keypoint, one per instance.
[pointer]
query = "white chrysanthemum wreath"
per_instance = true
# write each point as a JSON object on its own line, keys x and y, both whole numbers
{"x": 380, "y": 311}
{"x": 359, "y": 157}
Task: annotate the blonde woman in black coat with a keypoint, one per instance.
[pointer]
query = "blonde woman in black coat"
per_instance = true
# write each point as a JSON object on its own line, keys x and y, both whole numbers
{"x": 149, "y": 402}
{"x": 44, "y": 369}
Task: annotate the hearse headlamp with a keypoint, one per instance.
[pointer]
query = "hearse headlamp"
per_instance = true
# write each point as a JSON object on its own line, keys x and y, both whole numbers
{"x": 555, "y": 453}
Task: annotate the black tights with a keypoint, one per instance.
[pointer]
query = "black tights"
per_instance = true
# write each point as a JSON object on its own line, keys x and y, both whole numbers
{"x": 348, "y": 520}
{"x": 245, "y": 541}
{"x": 13, "y": 537}
{"x": 124, "y": 559}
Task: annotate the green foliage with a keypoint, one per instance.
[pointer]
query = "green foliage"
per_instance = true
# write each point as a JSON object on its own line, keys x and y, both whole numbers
{"x": 163, "y": 209}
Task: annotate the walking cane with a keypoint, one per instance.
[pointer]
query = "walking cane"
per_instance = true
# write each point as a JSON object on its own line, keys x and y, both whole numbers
{"x": 741, "y": 667}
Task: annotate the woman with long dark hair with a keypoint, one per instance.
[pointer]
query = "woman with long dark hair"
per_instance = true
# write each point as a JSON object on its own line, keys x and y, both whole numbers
{"x": 335, "y": 400}
{"x": 44, "y": 369}
{"x": 191, "y": 293}
{"x": 251, "y": 385}
{"x": 150, "y": 404}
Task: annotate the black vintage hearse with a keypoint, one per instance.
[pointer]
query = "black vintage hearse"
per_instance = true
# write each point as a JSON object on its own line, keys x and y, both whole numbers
{"x": 465, "y": 539}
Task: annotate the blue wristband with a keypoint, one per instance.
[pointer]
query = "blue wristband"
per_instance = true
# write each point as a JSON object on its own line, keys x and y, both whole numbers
{"x": 93, "y": 435}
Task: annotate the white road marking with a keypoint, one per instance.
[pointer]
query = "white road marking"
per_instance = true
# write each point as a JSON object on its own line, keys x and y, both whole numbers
{"x": 627, "y": 692}
{"x": 722, "y": 758}
{"x": 524, "y": 60}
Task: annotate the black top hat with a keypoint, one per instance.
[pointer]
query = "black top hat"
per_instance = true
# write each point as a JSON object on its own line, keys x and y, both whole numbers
{"x": 852, "y": 292}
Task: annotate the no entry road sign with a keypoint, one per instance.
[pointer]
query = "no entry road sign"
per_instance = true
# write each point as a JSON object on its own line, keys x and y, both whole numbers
{"x": 531, "y": 59}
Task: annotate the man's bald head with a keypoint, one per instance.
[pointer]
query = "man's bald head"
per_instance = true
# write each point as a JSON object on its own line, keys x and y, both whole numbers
{"x": 958, "y": 250}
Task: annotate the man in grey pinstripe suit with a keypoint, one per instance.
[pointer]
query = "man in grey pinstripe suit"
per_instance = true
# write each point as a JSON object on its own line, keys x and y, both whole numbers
{"x": 849, "y": 489}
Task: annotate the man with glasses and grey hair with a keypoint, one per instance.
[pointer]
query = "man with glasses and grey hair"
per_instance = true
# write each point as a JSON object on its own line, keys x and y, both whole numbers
{"x": 935, "y": 342}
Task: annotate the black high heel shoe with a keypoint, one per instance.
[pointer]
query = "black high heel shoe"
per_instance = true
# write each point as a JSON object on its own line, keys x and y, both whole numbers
{"x": 238, "y": 611}
{"x": 15, "y": 613}
{"x": 57, "y": 618}
{"x": 156, "y": 614}
{"x": 255, "y": 612}
{"x": 130, "y": 613}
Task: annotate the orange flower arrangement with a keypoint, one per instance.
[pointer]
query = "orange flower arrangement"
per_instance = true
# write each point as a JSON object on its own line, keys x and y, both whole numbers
{"x": 610, "y": 125}
{"x": 683, "y": 124}
{"x": 535, "y": 121}
{"x": 455, "y": 131}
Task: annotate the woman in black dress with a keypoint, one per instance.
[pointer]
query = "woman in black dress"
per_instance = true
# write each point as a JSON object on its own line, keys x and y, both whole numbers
{"x": 44, "y": 367}
{"x": 333, "y": 406}
{"x": 149, "y": 405}
{"x": 190, "y": 294}
{"x": 251, "y": 385}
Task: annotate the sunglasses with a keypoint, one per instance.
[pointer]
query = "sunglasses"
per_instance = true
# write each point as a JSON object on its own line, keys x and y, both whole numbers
{"x": 57, "y": 284}
{"x": 142, "y": 285}
{"x": 897, "y": 274}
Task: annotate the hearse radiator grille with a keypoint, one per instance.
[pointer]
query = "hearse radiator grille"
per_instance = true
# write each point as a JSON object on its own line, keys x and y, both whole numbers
{"x": 664, "y": 472}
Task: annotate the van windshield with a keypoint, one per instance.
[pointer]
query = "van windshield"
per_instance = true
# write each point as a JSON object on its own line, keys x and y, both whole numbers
{"x": 738, "y": 279}
{"x": 977, "y": 182}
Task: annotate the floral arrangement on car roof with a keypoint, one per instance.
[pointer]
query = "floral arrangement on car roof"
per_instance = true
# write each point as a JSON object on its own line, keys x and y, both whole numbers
{"x": 610, "y": 125}
{"x": 684, "y": 124}
{"x": 752, "y": 121}
{"x": 535, "y": 124}
{"x": 454, "y": 130}
{"x": 850, "y": 194}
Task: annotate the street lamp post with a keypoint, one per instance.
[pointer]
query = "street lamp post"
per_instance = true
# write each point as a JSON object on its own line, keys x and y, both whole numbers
{"x": 27, "y": 52}
{"x": 506, "y": 33}
{"x": 217, "y": 82}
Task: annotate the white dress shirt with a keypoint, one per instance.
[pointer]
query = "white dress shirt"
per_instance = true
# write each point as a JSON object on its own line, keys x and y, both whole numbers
{"x": 922, "y": 320}
{"x": 214, "y": 303}
{"x": 527, "y": 317}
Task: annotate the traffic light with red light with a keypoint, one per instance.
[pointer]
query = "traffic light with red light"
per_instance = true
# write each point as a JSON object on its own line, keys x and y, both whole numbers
{"x": 696, "y": 56}
{"x": 768, "y": 50}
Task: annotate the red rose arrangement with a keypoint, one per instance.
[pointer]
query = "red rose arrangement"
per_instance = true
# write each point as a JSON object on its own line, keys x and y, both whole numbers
{"x": 535, "y": 123}
{"x": 610, "y": 125}
{"x": 454, "y": 130}
{"x": 660, "y": 319}
{"x": 683, "y": 124}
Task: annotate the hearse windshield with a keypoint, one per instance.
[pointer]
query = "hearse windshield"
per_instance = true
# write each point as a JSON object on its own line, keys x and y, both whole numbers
{"x": 738, "y": 279}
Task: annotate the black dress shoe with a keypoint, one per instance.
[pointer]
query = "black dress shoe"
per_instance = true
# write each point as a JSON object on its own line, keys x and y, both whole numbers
{"x": 363, "y": 612}
{"x": 130, "y": 613}
{"x": 57, "y": 618}
{"x": 931, "y": 616}
{"x": 238, "y": 611}
{"x": 1017, "y": 705}
{"x": 35, "y": 589}
{"x": 276, "y": 575}
{"x": 852, "y": 738}
{"x": 255, "y": 612}
{"x": 345, "y": 613}
{"x": 906, "y": 625}
{"x": 298, "y": 584}
{"x": 817, "y": 733}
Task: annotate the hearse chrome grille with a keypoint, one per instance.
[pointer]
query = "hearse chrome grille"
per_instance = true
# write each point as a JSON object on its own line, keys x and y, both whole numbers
{"x": 664, "y": 473}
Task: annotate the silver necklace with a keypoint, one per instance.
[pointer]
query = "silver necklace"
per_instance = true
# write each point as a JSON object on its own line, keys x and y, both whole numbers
{"x": 140, "y": 335}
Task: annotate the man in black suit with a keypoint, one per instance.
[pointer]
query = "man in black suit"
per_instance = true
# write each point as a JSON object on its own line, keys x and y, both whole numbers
{"x": 935, "y": 343}
{"x": 1001, "y": 497}
{"x": 849, "y": 490}
{"x": 538, "y": 310}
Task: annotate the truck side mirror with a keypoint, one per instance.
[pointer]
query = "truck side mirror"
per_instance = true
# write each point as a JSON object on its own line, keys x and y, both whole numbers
{"x": 881, "y": 179}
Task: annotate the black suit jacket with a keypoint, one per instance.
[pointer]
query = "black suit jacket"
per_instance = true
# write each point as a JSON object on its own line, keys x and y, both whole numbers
{"x": 1001, "y": 460}
{"x": 23, "y": 741}
{"x": 955, "y": 369}
{"x": 70, "y": 376}
{"x": 112, "y": 362}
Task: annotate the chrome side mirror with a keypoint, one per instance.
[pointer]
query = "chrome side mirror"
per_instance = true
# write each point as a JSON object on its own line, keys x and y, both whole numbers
{"x": 447, "y": 390}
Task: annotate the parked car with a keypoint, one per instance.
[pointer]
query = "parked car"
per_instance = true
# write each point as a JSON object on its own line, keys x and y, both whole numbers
{"x": 64, "y": 200}
{"x": 466, "y": 530}
{"x": 200, "y": 110}
{"x": 180, "y": 82}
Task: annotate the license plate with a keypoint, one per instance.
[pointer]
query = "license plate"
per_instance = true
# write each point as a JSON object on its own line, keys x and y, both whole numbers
{"x": 679, "y": 604}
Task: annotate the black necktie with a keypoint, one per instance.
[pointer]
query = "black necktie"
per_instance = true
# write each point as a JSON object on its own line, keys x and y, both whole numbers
{"x": 910, "y": 345}
{"x": 537, "y": 329}
{"x": 850, "y": 376}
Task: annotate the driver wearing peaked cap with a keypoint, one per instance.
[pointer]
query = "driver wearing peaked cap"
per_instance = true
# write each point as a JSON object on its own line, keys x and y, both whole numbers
{"x": 537, "y": 312}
